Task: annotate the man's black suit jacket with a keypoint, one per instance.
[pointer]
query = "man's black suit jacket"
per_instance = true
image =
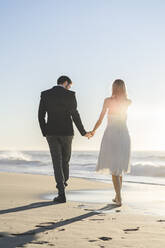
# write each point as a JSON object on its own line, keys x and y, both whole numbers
{"x": 60, "y": 105}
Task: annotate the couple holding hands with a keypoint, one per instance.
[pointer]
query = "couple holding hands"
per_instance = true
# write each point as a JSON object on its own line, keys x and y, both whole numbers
{"x": 56, "y": 114}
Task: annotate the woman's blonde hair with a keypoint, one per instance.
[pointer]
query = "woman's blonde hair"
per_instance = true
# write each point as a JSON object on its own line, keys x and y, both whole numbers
{"x": 119, "y": 89}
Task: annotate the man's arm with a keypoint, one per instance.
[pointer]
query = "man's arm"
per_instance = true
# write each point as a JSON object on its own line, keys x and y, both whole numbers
{"x": 41, "y": 115}
{"x": 76, "y": 117}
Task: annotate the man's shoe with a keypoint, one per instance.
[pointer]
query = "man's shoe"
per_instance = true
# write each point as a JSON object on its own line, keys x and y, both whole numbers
{"x": 59, "y": 199}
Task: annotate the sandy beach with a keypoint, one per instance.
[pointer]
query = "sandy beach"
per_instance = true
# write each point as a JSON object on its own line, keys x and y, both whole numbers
{"x": 29, "y": 220}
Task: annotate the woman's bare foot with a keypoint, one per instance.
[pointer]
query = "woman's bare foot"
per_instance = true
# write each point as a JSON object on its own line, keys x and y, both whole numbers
{"x": 119, "y": 204}
{"x": 118, "y": 201}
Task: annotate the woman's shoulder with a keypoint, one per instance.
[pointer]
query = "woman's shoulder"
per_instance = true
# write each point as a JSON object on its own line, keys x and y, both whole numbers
{"x": 107, "y": 100}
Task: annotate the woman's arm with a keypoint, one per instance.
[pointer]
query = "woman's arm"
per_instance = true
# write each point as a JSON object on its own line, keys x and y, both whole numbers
{"x": 101, "y": 117}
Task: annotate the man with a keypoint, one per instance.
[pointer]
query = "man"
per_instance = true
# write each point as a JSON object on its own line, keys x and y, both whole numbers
{"x": 60, "y": 105}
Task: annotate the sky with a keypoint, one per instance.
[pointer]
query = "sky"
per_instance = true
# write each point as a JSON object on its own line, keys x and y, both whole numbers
{"x": 93, "y": 42}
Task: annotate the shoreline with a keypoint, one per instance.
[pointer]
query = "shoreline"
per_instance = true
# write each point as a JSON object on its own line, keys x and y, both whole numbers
{"x": 29, "y": 221}
{"x": 102, "y": 180}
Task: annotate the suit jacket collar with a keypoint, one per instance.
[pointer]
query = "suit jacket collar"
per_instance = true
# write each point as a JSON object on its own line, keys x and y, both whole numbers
{"x": 57, "y": 87}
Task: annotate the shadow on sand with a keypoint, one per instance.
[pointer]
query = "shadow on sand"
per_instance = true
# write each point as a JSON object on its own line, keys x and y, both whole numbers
{"x": 13, "y": 240}
{"x": 27, "y": 207}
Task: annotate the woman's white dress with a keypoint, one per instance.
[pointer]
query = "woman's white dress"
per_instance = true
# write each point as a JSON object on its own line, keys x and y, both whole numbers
{"x": 114, "y": 155}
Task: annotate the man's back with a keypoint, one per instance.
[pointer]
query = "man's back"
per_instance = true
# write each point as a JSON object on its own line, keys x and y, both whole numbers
{"x": 60, "y": 105}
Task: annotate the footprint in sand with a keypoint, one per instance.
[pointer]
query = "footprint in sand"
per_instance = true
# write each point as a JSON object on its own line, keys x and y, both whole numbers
{"x": 105, "y": 238}
{"x": 95, "y": 219}
{"x": 101, "y": 238}
{"x": 160, "y": 220}
{"x": 131, "y": 229}
{"x": 39, "y": 242}
{"x": 60, "y": 230}
{"x": 92, "y": 240}
{"x": 25, "y": 233}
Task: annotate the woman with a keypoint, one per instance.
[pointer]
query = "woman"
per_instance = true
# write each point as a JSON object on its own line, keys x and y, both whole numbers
{"x": 114, "y": 153}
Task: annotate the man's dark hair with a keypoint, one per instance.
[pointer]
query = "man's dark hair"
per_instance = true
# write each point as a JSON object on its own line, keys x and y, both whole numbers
{"x": 63, "y": 79}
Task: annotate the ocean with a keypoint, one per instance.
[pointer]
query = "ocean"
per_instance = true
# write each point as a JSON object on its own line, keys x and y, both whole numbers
{"x": 147, "y": 167}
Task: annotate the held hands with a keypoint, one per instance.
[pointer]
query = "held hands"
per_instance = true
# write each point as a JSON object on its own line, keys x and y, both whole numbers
{"x": 90, "y": 134}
